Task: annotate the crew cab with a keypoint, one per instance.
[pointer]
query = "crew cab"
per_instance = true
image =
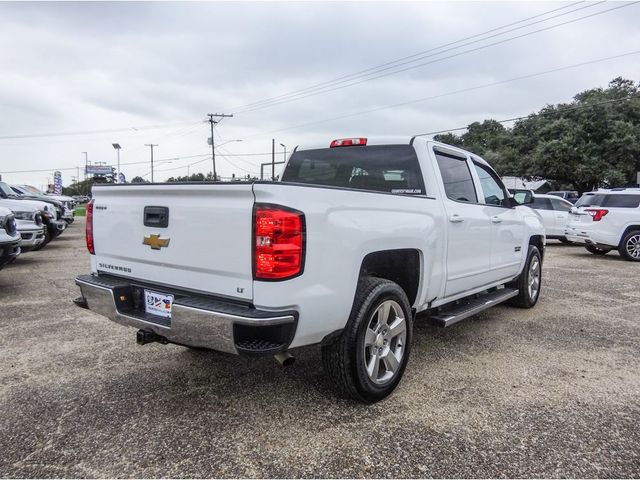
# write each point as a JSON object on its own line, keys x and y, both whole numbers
{"x": 9, "y": 238}
{"x": 358, "y": 237}
{"x": 605, "y": 220}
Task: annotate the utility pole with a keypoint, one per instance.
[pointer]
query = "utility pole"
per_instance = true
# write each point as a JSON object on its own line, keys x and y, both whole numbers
{"x": 151, "y": 145}
{"x": 273, "y": 159}
{"x": 213, "y": 152}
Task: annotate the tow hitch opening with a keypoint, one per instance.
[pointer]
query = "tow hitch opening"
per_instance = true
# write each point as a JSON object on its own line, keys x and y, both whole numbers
{"x": 144, "y": 336}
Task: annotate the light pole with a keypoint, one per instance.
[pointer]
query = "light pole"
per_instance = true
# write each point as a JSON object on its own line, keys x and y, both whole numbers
{"x": 117, "y": 147}
{"x": 224, "y": 143}
{"x": 285, "y": 151}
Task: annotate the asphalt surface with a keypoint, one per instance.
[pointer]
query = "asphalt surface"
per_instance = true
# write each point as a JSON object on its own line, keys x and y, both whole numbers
{"x": 548, "y": 392}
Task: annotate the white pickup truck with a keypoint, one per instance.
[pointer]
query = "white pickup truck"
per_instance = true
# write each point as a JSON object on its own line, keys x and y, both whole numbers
{"x": 358, "y": 237}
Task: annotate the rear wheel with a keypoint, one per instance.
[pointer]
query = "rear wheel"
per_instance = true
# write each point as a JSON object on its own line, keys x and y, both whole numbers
{"x": 630, "y": 246}
{"x": 597, "y": 250}
{"x": 367, "y": 361}
{"x": 529, "y": 281}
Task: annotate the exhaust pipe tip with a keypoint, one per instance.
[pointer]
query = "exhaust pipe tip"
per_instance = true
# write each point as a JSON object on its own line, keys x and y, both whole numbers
{"x": 285, "y": 359}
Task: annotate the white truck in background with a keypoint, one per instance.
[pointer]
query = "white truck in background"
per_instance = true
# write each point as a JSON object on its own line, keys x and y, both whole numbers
{"x": 358, "y": 237}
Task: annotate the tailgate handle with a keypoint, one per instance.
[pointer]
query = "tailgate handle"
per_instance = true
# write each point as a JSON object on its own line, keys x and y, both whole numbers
{"x": 156, "y": 217}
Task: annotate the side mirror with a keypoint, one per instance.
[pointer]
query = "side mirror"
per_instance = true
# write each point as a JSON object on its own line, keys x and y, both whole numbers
{"x": 523, "y": 197}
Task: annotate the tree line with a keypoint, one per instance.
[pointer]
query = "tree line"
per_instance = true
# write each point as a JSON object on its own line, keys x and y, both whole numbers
{"x": 591, "y": 142}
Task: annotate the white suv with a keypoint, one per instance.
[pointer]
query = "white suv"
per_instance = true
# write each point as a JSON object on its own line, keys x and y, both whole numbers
{"x": 607, "y": 219}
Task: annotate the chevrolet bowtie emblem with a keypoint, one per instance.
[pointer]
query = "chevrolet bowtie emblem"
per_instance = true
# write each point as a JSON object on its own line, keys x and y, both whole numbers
{"x": 155, "y": 242}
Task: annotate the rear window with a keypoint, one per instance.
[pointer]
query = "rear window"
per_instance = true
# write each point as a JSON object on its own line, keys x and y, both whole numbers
{"x": 382, "y": 168}
{"x": 606, "y": 200}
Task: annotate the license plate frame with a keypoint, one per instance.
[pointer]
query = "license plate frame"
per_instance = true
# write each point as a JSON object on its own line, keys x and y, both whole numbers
{"x": 158, "y": 304}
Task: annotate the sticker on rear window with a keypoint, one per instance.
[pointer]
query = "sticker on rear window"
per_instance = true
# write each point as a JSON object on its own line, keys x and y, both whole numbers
{"x": 406, "y": 190}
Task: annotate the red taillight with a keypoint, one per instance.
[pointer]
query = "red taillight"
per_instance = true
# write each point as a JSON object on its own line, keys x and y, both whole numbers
{"x": 89, "y": 228}
{"x": 348, "y": 142}
{"x": 596, "y": 213}
{"x": 279, "y": 242}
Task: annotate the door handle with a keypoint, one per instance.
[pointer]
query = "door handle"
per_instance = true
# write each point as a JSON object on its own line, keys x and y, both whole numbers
{"x": 496, "y": 219}
{"x": 455, "y": 218}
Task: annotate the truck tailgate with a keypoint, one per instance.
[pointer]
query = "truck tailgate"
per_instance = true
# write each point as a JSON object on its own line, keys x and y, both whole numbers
{"x": 205, "y": 246}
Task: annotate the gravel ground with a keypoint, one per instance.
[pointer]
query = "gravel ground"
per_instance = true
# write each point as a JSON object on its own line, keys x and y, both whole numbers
{"x": 548, "y": 392}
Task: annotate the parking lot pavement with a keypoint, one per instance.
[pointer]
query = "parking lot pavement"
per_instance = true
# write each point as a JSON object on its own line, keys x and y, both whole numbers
{"x": 548, "y": 392}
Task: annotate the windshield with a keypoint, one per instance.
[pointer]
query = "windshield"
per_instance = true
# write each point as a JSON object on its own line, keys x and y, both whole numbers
{"x": 383, "y": 168}
{"x": 6, "y": 190}
{"x": 608, "y": 200}
{"x": 31, "y": 189}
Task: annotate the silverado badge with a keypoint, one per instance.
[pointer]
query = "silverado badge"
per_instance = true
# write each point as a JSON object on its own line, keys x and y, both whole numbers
{"x": 155, "y": 242}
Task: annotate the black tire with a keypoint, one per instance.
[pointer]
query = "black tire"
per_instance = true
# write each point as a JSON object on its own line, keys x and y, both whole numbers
{"x": 597, "y": 250}
{"x": 566, "y": 241}
{"x": 524, "y": 299}
{"x": 344, "y": 358}
{"x": 629, "y": 248}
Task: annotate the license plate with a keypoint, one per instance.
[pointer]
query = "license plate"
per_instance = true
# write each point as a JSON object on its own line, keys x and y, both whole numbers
{"x": 158, "y": 303}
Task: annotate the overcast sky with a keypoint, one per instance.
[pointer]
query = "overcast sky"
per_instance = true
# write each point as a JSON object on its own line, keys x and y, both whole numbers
{"x": 78, "y": 67}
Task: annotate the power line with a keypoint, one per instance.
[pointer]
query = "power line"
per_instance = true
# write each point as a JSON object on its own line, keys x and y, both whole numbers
{"x": 454, "y": 92}
{"x": 92, "y": 132}
{"x": 541, "y": 114}
{"x": 411, "y": 67}
{"x": 391, "y": 64}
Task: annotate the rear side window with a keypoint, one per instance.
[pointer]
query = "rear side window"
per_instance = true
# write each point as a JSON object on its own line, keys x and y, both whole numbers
{"x": 607, "y": 200}
{"x": 382, "y": 168}
{"x": 456, "y": 176}
{"x": 540, "y": 203}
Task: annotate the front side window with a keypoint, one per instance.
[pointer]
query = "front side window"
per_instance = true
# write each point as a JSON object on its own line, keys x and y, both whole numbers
{"x": 456, "y": 176}
{"x": 494, "y": 193}
{"x": 560, "y": 206}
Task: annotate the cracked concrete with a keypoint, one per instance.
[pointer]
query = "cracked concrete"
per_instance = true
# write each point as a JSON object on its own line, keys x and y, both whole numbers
{"x": 548, "y": 392}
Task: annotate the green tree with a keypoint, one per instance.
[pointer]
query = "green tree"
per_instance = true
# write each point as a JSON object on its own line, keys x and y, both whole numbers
{"x": 593, "y": 141}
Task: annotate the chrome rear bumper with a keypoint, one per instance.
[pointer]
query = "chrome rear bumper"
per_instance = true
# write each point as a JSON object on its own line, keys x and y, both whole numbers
{"x": 196, "y": 321}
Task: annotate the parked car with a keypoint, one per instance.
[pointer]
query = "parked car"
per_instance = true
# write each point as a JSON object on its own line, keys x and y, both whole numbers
{"x": 357, "y": 237}
{"x": 9, "y": 238}
{"x": 607, "y": 219}
{"x": 47, "y": 207}
{"x": 555, "y": 213}
{"x": 569, "y": 195}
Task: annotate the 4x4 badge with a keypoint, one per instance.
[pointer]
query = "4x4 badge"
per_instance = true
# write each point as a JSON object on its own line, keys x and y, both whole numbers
{"x": 155, "y": 242}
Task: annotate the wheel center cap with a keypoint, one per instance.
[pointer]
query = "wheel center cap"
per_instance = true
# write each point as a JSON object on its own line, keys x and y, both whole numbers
{"x": 379, "y": 340}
